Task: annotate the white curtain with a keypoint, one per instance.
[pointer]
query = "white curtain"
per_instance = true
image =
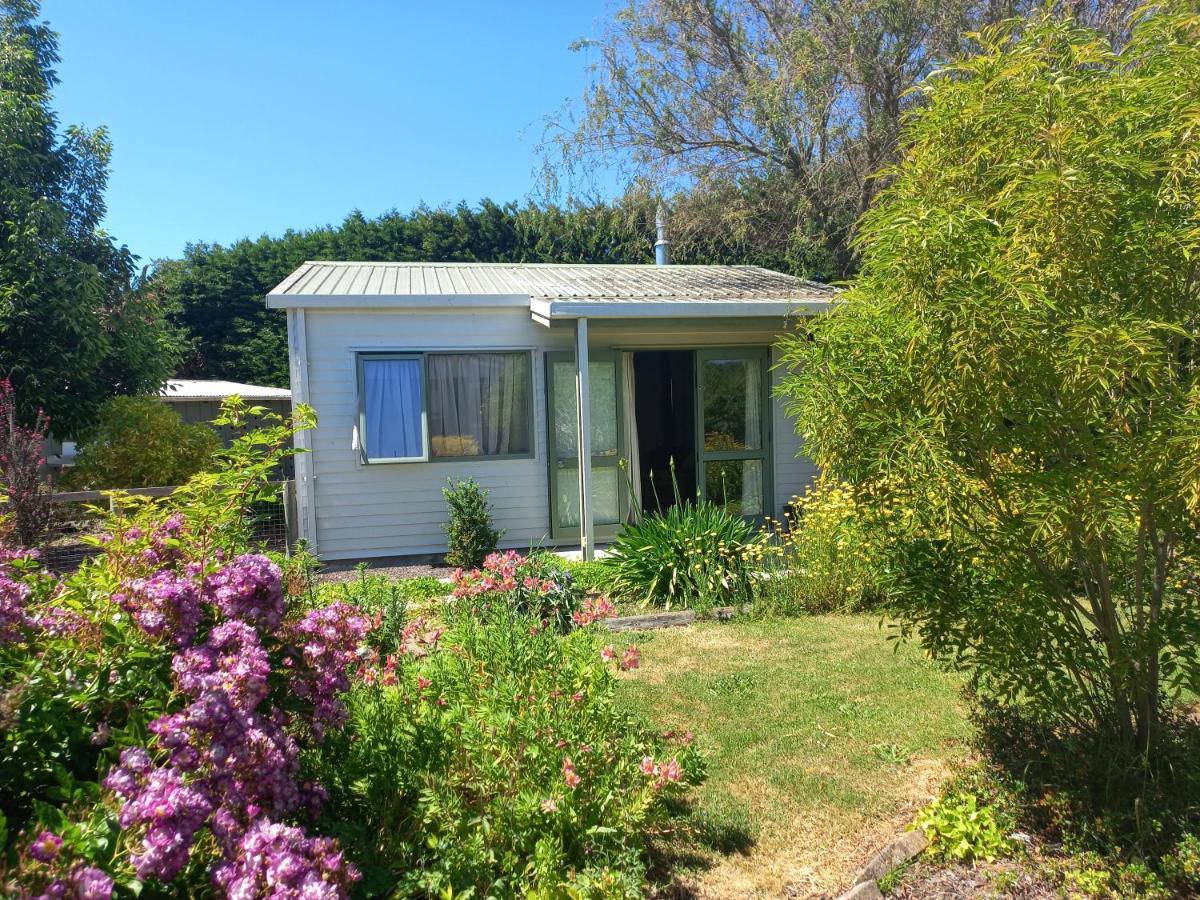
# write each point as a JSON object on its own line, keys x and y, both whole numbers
{"x": 631, "y": 435}
{"x": 478, "y": 404}
{"x": 753, "y": 500}
{"x": 392, "y": 408}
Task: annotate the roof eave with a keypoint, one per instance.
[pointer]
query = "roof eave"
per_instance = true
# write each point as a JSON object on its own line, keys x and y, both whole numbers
{"x": 546, "y": 311}
{"x": 395, "y": 301}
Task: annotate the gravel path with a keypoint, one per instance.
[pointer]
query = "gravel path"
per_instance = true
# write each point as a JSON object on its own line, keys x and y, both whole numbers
{"x": 389, "y": 572}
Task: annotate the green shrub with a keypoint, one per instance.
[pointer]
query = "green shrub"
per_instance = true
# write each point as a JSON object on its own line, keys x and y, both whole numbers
{"x": 959, "y": 828}
{"x": 140, "y": 442}
{"x": 1182, "y": 865}
{"x": 1016, "y": 361}
{"x": 592, "y": 576}
{"x": 825, "y": 560}
{"x": 494, "y": 760}
{"x": 691, "y": 556}
{"x": 535, "y": 586}
{"x": 470, "y": 536}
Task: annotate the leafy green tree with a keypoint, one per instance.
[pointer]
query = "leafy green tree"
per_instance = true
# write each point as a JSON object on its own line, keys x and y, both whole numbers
{"x": 215, "y": 293}
{"x": 1015, "y": 375}
{"x": 141, "y": 442}
{"x": 773, "y": 117}
{"x": 73, "y": 327}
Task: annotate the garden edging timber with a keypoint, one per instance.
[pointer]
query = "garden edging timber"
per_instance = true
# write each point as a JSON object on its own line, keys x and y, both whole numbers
{"x": 679, "y": 619}
{"x": 866, "y": 886}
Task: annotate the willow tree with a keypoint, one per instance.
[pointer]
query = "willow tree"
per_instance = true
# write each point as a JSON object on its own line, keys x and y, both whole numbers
{"x": 1015, "y": 375}
{"x": 770, "y": 117}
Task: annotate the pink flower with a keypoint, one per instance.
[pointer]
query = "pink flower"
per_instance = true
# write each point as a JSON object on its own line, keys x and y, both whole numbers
{"x": 577, "y": 697}
{"x": 45, "y": 848}
{"x": 549, "y": 806}
{"x": 672, "y": 771}
{"x": 632, "y": 658}
{"x": 609, "y": 653}
{"x": 647, "y": 766}
{"x": 423, "y": 683}
{"x": 570, "y": 776}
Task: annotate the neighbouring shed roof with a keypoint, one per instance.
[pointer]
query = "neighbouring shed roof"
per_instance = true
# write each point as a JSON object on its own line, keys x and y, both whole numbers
{"x": 188, "y": 389}
{"x": 551, "y": 290}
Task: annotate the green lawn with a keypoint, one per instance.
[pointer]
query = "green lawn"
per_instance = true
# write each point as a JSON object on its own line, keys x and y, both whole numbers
{"x": 822, "y": 741}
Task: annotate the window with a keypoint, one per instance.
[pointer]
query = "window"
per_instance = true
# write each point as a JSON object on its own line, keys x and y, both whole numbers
{"x": 393, "y": 408}
{"x": 445, "y": 406}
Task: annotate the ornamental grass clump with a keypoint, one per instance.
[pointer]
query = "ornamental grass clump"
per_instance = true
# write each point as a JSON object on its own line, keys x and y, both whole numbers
{"x": 690, "y": 556}
{"x": 493, "y": 759}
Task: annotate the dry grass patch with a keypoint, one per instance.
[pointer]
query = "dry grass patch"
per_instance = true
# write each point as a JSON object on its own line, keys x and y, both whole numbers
{"x": 822, "y": 739}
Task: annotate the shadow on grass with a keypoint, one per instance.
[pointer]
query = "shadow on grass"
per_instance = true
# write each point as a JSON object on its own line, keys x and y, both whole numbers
{"x": 1091, "y": 795}
{"x": 706, "y": 835}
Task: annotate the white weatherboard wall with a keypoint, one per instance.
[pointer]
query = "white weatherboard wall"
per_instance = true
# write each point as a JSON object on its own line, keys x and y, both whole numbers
{"x": 395, "y": 509}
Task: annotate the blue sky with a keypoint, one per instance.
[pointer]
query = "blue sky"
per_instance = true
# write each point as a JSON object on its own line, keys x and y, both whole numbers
{"x": 234, "y": 119}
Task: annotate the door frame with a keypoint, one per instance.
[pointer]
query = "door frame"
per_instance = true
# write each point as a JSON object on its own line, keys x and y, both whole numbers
{"x": 766, "y": 438}
{"x": 606, "y": 532}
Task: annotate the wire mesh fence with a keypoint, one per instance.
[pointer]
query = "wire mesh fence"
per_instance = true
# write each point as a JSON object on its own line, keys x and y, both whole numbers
{"x": 79, "y": 515}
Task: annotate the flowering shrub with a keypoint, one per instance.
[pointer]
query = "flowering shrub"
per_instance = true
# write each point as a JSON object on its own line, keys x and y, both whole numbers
{"x": 827, "y": 557}
{"x": 532, "y": 586}
{"x": 26, "y": 494}
{"x": 156, "y": 704}
{"x": 492, "y": 757}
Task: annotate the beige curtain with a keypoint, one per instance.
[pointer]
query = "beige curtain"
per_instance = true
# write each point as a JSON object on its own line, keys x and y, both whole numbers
{"x": 478, "y": 404}
{"x": 634, "y": 472}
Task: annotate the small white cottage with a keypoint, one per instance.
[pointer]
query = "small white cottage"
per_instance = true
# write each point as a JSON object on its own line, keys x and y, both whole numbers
{"x": 424, "y": 371}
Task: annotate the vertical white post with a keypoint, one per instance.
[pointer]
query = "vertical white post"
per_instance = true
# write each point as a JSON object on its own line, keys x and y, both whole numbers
{"x": 587, "y": 542}
{"x": 306, "y": 512}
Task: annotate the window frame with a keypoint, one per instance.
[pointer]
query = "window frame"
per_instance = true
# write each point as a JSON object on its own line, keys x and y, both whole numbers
{"x": 363, "y": 450}
{"x": 426, "y": 436}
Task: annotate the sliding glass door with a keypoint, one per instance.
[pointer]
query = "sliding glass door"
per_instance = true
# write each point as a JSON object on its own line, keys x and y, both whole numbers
{"x": 609, "y": 494}
{"x": 733, "y": 425}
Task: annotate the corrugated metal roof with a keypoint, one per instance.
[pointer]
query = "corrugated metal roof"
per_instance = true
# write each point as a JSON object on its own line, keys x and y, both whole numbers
{"x": 550, "y": 281}
{"x": 188, "y": 389}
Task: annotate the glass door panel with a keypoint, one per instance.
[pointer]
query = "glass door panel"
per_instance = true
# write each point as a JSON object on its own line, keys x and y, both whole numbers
{"x": 732, "y": 404}
{"x": 609, "y": 502}
{"x": 733, "y": 429}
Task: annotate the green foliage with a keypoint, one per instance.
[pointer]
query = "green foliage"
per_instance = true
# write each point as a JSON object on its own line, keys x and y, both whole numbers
{"x": 825, "y": 560}
{"x": 774, "y": 117}
{"x": 140, "y": 442}
{"x": 959, "y": 828}
{"x": 75, "y": 327}
{"x": 470, "y": 536}
{"x": 592, "y": 576}
{"x": 456, "y": 772}
{"x": 1182, "y": 865}
{"x": 215, "y": 293}
{"x": 1009, "y": 378}
{"x": 690, "y": 556}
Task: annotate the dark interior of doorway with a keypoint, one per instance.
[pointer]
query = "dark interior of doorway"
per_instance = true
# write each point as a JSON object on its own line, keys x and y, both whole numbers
{"x": 665, "y": 412}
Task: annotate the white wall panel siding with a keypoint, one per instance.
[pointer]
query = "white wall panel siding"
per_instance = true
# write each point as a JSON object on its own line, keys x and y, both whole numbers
{"x": 397, "y": 509}
{"x": 793, "y": 470}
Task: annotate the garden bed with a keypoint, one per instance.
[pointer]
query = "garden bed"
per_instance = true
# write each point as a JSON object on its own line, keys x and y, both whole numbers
{"x": 822, "y": 743}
